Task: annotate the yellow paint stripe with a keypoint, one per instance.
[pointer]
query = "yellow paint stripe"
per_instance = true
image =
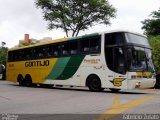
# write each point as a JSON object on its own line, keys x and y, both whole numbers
{"x": 134, "y": 103}
{"x": 115, "y": 104}
{"x": 117, "y": 108}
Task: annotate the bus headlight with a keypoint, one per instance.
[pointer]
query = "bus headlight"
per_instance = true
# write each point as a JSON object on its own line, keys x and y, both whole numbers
{"x": 138, "y": 84}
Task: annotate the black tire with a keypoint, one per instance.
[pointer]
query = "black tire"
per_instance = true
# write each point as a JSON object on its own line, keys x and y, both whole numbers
{"x": 28, "y": 81}
{"x": 94, "y": 84}
{"x": 114, "y": 90}
{"x": 20, "y": 80}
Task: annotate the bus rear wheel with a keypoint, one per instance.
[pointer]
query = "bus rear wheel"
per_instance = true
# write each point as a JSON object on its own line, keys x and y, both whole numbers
{"x": 94, "y": 84}
{"x": 28, "y": 81}
{"x": 20, "y": 80}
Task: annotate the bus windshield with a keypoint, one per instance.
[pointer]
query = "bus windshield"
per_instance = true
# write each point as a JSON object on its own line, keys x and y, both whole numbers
{"x": 140, "y": 56}
{"x": 136, "y": 39}
{"x": 138, "y": 52}
{"x": 140, "y": 59}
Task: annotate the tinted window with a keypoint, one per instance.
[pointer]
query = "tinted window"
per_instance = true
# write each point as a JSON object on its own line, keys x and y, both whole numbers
{"x": 16, "y": 55}
{"x": 91, "y": 45}
{"x": 115, "y": 59}
{"x": 114, "y": 39}
{"x": 137, "y": 39}
{"x": 73, "y": 48}
{"x": 109, "y": 56}
{"x": 10, "y": 56}
{"x": 65, "y": 48}
{"x": 94, "y": 45}
{"x": 56, "y": 50}
{"x": 48, "y": 51}
{"x": 38, "y": 52}
{"x": 119, "y": 60}
{"x": 21, "y": 55}
{"x": 28, "y": 53}
{"x": 85, "y": 46}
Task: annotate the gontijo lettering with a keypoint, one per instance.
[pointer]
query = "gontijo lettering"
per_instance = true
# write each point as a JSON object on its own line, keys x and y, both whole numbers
{"x": 37, "y": 63}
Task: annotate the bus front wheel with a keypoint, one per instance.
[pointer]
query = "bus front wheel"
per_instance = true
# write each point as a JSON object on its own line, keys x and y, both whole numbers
{"x": 94, "y": 84}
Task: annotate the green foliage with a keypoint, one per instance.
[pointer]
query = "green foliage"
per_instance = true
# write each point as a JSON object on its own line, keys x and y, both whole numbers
{"x": 75, "y": 15}
{"x": 27, "y": 44}
{"x": 3, "y": 55}
{"x": 155, "y": 43}
{"x": 152, "y": 26}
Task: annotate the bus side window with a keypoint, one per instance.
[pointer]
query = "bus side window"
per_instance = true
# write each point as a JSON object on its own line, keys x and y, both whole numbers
{"x": 65, "y": 49}
{"x": 74, "y": 47}
{"x": 28, "y": 53}
{"x": 95, "y": 45}
{"x": 16, "y": 56}
{"x": 56, "y": 49}
{"x": 114, "y": 38}
{"x": 21, "y": 55}
{"x": 34, "y": 52}
{"x": 84, "y": 46}
{"x": 10, "y": 56}
{"x": 39, "y": 52}
{"x": 48, "y": 51}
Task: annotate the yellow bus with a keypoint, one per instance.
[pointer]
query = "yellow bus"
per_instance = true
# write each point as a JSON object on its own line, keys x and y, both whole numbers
{"x": 115, "y": 60}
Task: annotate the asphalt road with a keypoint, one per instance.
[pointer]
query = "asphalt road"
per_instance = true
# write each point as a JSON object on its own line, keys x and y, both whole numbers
{"x": 76, "y": 103}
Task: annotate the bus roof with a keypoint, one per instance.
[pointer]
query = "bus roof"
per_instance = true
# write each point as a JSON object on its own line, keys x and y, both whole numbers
{"x": 56, "y": 41}
{"x": 126, "y": 31}
{"x": 39, "y": 44}
{"x": 74, "y": 38}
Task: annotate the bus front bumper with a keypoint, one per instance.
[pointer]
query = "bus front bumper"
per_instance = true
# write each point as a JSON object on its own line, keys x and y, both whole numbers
{"x": 142, "y": 83}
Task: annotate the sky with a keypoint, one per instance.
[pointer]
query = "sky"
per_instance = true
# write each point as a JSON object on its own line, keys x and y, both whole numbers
{"x": 19, "y": 17}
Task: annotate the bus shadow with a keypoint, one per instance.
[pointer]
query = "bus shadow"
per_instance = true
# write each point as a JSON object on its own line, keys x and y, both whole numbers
{"x": 129, "y": 92}
{"x": 87, "y": 90}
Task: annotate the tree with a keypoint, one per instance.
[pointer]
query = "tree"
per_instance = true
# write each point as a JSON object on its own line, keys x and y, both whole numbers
{"x": 152, "y": 26}
{"x": 75, "y": 15}
{"x": 3, "y": 55}
{"x": 155, "y": 43}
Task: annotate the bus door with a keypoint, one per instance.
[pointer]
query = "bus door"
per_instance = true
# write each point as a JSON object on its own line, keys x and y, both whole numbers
{"x": 119, "y": 68}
